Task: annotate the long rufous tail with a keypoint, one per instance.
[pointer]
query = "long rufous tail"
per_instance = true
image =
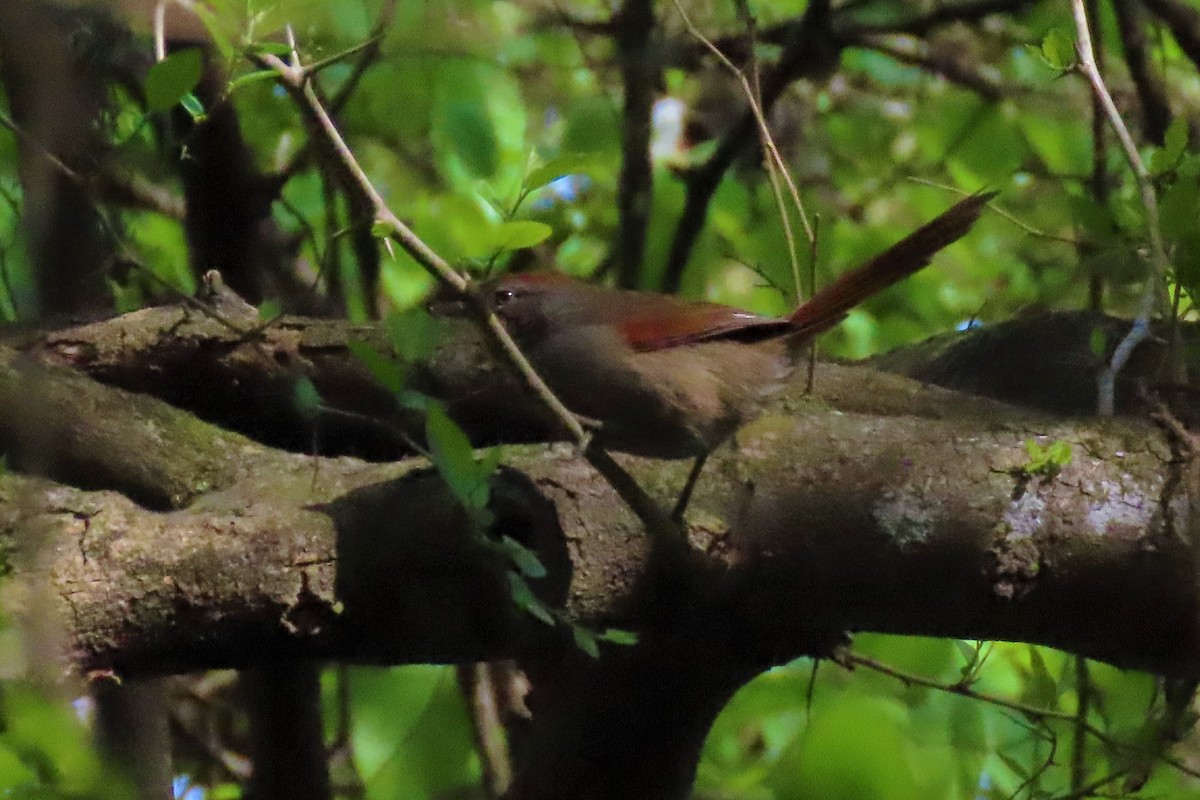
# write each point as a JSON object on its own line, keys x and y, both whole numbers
{"x": 827, "y": 307}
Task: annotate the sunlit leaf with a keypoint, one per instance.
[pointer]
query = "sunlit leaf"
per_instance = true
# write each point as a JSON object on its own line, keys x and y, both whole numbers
{"x": 519, "y": 234}
{"x": 1058, "y": 49}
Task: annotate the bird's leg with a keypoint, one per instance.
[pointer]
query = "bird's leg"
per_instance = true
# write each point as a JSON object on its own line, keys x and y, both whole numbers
{"x": 685, "y": 496}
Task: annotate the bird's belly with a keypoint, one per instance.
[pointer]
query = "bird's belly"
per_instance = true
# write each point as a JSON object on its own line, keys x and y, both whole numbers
{"x": 678, "y": 402}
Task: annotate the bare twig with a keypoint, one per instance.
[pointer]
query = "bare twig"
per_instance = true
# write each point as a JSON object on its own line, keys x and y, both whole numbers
{"x": 810, "y": 50}
{"x": 850, "y": 660}
{"x": 1099, "y": 180}
{"x": 776, "y": 167}
{"x": 295, "y": 80}
{"x": 1152, "y": 295}
{"x": 1083, "y": 690}
{"x": 918, "y": 53}
{"x": 945, "y": 14}
{"x": 1015, "y": 220}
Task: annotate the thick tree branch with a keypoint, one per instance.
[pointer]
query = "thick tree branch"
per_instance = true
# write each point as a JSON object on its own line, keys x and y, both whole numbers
{"x": 914, "y": 518}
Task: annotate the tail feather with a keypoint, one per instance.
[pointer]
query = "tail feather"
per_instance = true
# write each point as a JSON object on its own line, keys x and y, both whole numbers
{"x": 829, "y": 306}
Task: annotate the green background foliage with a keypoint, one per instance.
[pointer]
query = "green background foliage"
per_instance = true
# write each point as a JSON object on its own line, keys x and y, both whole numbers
{"x": 471, "y": 114}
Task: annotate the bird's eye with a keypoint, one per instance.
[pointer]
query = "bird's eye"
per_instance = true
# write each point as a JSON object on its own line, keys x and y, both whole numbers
{"x": 502, "y": 296}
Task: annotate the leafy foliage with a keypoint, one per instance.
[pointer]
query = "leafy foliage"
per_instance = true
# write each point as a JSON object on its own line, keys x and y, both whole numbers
{"x": 493, "y": 131}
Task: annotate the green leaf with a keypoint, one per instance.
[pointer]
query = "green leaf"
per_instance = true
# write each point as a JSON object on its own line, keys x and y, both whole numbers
{"x": 619, "y": 637}
{"x": 519, "y": 234}
{"x": 1049, "y": 460}
{"x": 1059, "y": 453}
{"x": 382, "y": 230}
{"x": 281, "y": 49}
{"x": 1041, "y": 690}
{"x": 414, "y": 333}
{"x": 387, "y": 371}
{"x": 455, "y": 460}
{"x": 305, "y": 398}
{"x": 970, "y": 656}
{"x": 169, "y": 80}
{"x": 467, "y": 126}
{"x": 257, "y": 76}
{"x": 525, "y": 599}
{"x": 585, "y": 640}
{"x": 1058, "y": 49}
{"x": 269, "y": 310}
{"x": 1098, "y": 342}
{"x": 194, "y": 107}
{"x": 1174, "y": 144}
{"x": 555, "y": 168}
{"x": 524, "y": 559}
{"x": 1018, "y": 769}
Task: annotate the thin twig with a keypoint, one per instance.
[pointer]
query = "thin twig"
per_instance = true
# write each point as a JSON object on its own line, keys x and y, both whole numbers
{"x": 295, "y": 80}
{"x": 850, "y": 660}
{"x": 1083, "y": 690}
{"x": 776, "y": 167}
{"x": 1015, "y": 220}
{"x": 1152, "y": 294}
{"x": 810, "y": 49}
{"x": 1099, "y": 179}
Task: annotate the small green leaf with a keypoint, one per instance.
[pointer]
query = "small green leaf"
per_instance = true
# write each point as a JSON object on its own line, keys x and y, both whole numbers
{"x": 281, "y": 49}
{"x": 305, "y": 398}
{"x": 455, "y": 460}
{"x": 414, "y": 333}
{"x": 169, "y": 80}
{"x": 1059, "y": 453}
{"x": 969, "y": 653}
{"x": 1174, "y": 144}
{"x": 269, "y": 310}
{"x": 1098, "y": 342}
{"x": 387, "y": 371}
{"x": 525, "y": 599}
{"x": 1018, "y": 769}
{"x": 555, "y": 168}
{"x": 519, "y": 234}
{"x": 585, "y": 640}
{"x": 414, "y": 401}
{"x": 620, "y": 637}
{"x": 524, "y": 559}
{"x": 1041, "y": 690}
{"x": 194, "y": 107}
{"x": 1058, "y": 49}
{"x": 257, "y": 76}
{"x": 1047, "y": 461}
{"x": 381, "y": 229}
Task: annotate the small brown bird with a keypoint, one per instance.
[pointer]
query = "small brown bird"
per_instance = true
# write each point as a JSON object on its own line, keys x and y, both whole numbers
{"x": 673, "y": 378}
